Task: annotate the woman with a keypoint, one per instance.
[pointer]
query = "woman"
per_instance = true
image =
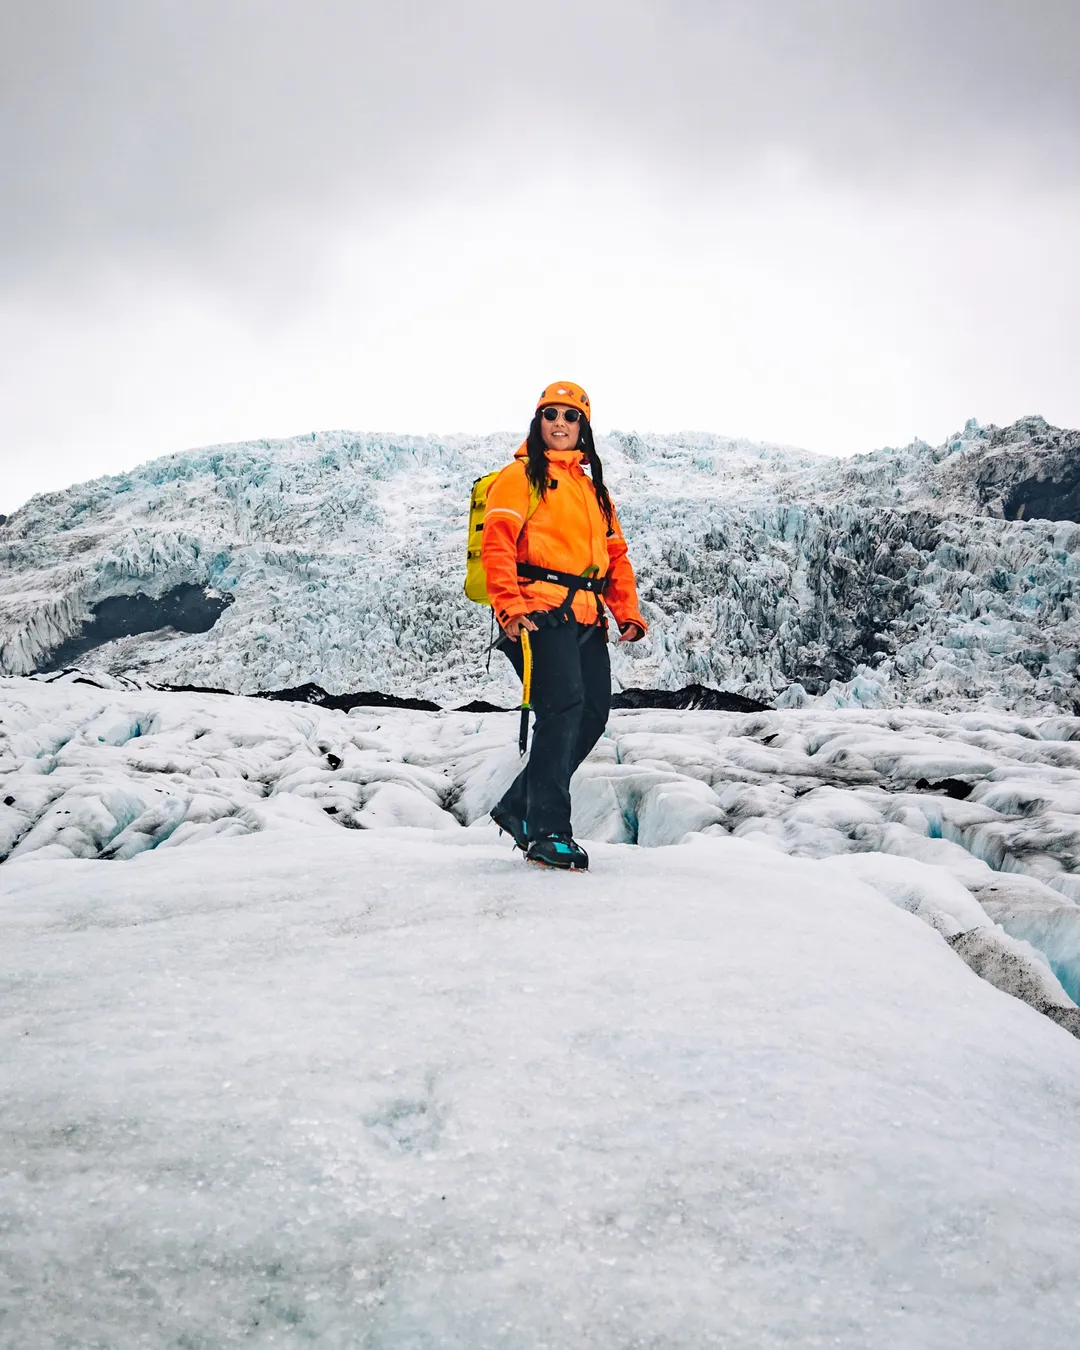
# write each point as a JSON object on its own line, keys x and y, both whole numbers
{"x": 553, "y": 555}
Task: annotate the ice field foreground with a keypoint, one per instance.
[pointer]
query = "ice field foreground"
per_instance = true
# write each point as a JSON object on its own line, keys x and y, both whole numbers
{"x": 271, "y": 1081}
{"x": 394, "y": 1090}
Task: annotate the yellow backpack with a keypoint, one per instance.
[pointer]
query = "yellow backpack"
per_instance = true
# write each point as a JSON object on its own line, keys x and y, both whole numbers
{"x": 475, "y": 580}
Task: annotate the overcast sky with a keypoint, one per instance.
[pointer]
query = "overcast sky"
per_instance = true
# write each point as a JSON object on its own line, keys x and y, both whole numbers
{"x": 831, "y": 223}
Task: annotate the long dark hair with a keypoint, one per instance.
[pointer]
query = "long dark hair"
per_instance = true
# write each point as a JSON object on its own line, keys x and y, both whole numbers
{"x": 537, "y": 467}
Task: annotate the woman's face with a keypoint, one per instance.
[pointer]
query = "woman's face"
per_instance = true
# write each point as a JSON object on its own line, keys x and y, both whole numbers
{"x": 560, "y": 435}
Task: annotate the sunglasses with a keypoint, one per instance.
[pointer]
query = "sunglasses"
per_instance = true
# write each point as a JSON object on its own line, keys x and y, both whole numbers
{"x": 552, "y": 415}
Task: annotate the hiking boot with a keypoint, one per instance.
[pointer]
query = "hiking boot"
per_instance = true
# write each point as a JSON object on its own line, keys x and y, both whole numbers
{"x": 558, "y": 850}
{"x": 512, "y": 825}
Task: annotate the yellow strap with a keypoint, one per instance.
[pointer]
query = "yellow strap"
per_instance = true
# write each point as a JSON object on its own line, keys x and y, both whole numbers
{"x": 526, "y": 672}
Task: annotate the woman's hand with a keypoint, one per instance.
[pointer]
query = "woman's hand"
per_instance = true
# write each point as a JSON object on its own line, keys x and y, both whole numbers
{"x": 514, "y": 627}
{"x": 631, "y": 632}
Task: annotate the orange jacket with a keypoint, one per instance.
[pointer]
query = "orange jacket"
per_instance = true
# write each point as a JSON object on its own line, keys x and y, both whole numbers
{"x": 567, "y": 532}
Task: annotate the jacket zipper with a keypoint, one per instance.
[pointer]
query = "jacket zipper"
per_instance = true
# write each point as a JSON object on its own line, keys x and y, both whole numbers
{"x": 588, "y": 517}
{"x": 592, "y": 537}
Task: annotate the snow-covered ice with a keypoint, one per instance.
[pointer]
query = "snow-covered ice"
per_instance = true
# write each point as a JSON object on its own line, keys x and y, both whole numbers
{"x": 271, "y": 1081}
{"x": 393, "y": 1089}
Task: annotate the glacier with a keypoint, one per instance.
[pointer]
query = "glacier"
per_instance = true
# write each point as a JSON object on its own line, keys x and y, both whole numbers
{"x": 295, "y": 1051}
{"x": 939, "y": 576}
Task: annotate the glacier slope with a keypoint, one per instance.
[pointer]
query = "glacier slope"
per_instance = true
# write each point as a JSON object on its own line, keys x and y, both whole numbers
{"x": 762, "y": 569}
{"x": 382, "y": 1089}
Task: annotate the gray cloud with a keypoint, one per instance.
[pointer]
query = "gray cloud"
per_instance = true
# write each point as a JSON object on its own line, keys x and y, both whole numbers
{"x": 133, "y": 126}
{"x": 870, "y": 89}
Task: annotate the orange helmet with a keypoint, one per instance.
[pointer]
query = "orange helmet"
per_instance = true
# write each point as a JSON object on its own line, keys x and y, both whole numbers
{"x": 571, "y": 395}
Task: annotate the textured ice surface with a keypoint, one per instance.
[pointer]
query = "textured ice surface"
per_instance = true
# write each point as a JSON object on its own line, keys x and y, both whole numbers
{"x": 906, "y": 574}
{"x": 942, "y": 813}
{"x": 271, "y": 1081}
{"x": 393, "y": 1089}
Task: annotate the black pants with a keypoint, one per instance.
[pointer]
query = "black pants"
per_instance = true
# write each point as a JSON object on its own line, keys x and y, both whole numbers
{"x": 571, "y": 699}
